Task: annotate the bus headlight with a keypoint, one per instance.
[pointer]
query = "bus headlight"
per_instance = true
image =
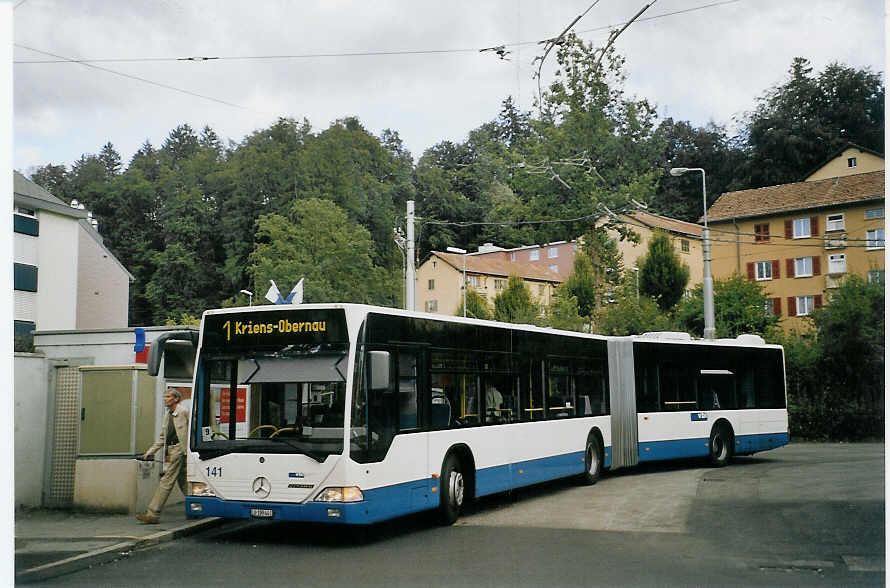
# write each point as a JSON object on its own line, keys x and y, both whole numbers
{"x": 341, "y": 494}
{"x": 200, "y": 489}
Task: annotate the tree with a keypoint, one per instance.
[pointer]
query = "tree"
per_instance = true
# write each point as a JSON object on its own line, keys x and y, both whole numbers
{"x": 477, "y": 306}
{"x": 850, "y": 335}
{"x": 54, "y": 179}
{"x": 563, "y": 312}
{"x": 514, "y": 304}
{"x": 630, "y": 315}
{"x": 111, "y": 160}
{"x": 799, "y": 124}
{"x": 318, "y": 242}
{"x": 583, "y": 284}
{"x": 662, "y": 275}
{"x": 740, "y": 307}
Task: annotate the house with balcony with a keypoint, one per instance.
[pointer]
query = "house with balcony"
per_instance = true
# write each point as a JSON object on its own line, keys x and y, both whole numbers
{"x": 801, "y": 240}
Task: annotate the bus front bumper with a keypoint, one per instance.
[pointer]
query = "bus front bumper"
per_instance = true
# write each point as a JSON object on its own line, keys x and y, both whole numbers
{"x": 354, "y": 513}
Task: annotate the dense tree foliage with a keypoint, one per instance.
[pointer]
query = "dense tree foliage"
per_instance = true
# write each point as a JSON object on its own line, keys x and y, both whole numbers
{"x": 515, "y": 305}
{"x": 477, "y": 306}
{"x": 740, "y": 307}
{"x": 195, "y": 219}
{"x": 663, "y": 276}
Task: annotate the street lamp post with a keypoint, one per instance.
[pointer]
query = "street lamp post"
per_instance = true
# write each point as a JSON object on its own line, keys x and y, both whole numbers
{"x": 464, "y": 253}
{"x": 707, "y": 281}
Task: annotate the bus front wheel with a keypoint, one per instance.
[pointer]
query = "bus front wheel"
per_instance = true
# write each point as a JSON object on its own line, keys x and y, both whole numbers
{"x": 593, "y": 460}
{"x": 720, "y": 447}
{"x": 451, "y": 490}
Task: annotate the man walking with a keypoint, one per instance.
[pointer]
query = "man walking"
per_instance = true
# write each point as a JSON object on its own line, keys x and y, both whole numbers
{"x": 174, "y": 432}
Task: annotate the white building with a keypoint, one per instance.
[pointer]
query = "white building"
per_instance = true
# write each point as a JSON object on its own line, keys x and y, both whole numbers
{"x": 64, "y": 276}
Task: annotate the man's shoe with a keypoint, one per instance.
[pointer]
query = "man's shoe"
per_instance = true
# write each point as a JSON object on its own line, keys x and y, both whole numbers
{"x": 148, "y": 518}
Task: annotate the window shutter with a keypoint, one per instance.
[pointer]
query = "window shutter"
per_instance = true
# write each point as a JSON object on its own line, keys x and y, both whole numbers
{"x": 789, "y": 267}
{"x": 792, "y": 306}
{"x": 776, "y": 273}
{"x": 777, "y": 306}
{"x": 789, "y": 229}
{"x": 817, "y": 301}
{"x": 817, "y": 266}
{"x": 814, "y": 226}
{"x": 750, "y": 270}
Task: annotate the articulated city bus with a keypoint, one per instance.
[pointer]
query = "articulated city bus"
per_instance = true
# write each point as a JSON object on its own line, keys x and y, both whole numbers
{"x": 355, "y": 414}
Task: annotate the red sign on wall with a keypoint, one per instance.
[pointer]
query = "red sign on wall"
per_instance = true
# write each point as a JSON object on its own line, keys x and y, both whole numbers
{"x": 240, "y": 406}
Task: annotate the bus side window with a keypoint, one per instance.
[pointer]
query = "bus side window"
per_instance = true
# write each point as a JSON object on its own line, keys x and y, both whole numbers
{"x": 531, "y": 391}
{"x": 407, "y": 387}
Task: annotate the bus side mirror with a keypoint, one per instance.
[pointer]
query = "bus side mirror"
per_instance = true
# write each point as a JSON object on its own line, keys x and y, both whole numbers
{"x": 156, "y": 351}
{"x": 378, "y": 366}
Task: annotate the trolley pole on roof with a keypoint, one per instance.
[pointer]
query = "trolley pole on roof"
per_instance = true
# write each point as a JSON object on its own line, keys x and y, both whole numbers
{"x": 410, "y": 272}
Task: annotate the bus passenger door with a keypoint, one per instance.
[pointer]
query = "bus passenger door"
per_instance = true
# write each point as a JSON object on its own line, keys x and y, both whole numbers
{"x": 412, "y": 444}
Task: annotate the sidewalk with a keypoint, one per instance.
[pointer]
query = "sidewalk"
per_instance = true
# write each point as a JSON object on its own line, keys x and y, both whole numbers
{"x": 50, "y": 543}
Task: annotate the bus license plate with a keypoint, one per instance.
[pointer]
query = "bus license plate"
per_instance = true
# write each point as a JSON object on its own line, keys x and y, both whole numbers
{"x": 262, "y": 513}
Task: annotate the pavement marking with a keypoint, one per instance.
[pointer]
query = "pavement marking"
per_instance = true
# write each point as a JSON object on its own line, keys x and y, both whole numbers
{"x": 864, "y": 563}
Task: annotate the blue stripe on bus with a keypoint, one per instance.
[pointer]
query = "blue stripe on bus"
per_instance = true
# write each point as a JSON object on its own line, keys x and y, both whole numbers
{"x": 399, "y": 499}
{"x": 681, "y": 448}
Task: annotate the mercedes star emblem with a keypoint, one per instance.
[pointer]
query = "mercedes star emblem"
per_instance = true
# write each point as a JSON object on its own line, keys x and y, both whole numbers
{"x": 261, "y": 487}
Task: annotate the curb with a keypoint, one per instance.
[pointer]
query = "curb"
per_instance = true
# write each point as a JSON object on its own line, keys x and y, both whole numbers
{"x": 112, "y": 552}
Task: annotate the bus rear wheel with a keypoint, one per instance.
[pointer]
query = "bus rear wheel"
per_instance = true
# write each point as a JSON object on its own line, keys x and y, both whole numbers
{"x": 593, "y": 460}
{"x": 720, "y": 446}
{"x": 451, "y": 490}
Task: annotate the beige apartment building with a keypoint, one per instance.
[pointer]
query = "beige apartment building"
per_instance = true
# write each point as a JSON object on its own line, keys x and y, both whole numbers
{"x": 685, "y": 236}
{"x": 439, "y": 279}
{"x": 801, "y": 240}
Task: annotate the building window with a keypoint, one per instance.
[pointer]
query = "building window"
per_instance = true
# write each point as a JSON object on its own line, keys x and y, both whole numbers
{"x": 851, "y": 162}
{"x": 875, "y": 276}
{"x": 837, "y": 263}
{"x": 801, "y": 228}
{"x": 553, "y": 252}
{"x": 533, "y": 255}
{"x": 804, "y": 305}
{"x": 803, "y": 267}
{"x": 874, "y": 213}
{"x": 26, "y": 225}
{"x": 834, "y": 222}
{"x": 24, "y": 336}
{"x": 473, "y": 281}
{"x": 434, "y": 264}
{"x": 554, "y": 268}
{"x": 763, "y": 270}
{"x": 24, "y": 277}
{"x": 432, "y": 305}
{"x": 431, "y": 284}
{"x": 513, "y": 256}
{"x": 499, "y": 284}
{"x": 874, "y": 239}
{"x": 761, "y": 232}
{"x": 768, "y": 306}
{"x": 684, "y": 245}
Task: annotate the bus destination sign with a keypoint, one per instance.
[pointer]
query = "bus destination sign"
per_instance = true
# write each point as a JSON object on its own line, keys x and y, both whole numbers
{"x": 275, "y": 328}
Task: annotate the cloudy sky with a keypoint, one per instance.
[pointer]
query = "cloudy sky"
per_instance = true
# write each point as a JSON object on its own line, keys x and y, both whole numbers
{"x": 410, "y": 65}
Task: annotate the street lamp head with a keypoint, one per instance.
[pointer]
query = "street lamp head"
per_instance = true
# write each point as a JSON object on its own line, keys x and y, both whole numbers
{"x": 679, "y": 171}
{"x": 456, "y": 250}
{"x": 247, "y": 292}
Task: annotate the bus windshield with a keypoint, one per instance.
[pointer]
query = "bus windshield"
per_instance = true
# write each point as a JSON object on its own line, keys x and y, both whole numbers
{"x": 287, "y": 400}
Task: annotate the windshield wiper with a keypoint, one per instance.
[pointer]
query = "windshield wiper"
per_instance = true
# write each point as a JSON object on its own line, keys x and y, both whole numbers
{"x": 316, "y": 455}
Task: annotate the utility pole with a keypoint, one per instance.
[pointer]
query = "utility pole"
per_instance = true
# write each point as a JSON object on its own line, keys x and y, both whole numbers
{"x": 410, "y": 272}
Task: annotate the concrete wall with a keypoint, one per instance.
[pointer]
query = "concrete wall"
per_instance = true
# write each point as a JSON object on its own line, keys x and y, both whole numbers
{"x": 103, "y": 286}
{"x": 30, "y": 425}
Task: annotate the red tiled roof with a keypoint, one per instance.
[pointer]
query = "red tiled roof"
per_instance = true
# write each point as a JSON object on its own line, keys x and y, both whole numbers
{"x": 799, "y": 196}
{"x": 492, "y": 266}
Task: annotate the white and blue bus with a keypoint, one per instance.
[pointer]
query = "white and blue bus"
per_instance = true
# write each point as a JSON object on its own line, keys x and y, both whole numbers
{"x": 355, "y": 414}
